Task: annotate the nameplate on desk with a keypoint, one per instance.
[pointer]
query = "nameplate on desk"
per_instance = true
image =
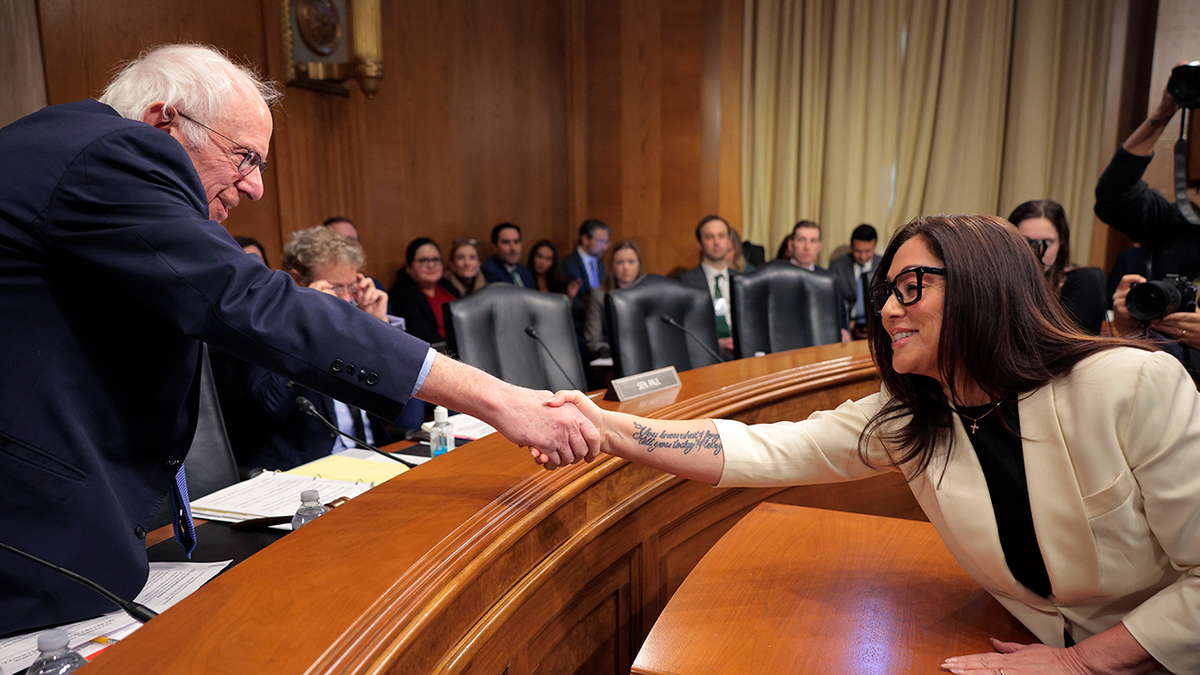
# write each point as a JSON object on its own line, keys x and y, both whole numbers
{"x": 642, "y": 384}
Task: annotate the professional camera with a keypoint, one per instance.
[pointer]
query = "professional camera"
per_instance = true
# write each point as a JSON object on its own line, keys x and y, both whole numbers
{"x": 1184, "y": 85}
{"x": 1156, "y": 299}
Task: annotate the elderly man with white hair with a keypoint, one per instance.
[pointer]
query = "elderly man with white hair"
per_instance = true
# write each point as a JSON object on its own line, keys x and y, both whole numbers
{"x": 112, "y": 271}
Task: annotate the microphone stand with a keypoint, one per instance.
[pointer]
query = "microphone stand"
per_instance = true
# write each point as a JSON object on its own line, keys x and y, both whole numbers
{"x": 138, "y": 611}
{"x": 534, "y": 334}
{"x": 672, "y": 322}
{"x": 307, "y": 406}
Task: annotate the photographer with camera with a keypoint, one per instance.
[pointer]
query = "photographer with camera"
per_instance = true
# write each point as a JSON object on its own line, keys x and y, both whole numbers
{"x": 1164, "y": 311}
{"x": 1124, "y": 201}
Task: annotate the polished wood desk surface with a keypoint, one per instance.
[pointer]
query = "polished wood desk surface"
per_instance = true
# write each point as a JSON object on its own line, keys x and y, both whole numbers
{"x": 791, "y": 589}
{"x": 482, "y": 561}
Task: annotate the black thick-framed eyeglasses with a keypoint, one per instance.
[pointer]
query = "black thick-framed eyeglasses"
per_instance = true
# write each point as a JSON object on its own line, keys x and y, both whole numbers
{"x": 906, "y": 287}
{"x": 251, "y": 160}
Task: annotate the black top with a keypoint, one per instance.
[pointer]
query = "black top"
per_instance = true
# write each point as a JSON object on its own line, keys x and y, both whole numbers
{"x": 1083, "y": 296}
{"x": 1000, "y": 455}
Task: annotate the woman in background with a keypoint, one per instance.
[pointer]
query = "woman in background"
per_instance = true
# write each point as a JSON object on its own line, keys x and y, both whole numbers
{"x": 418, "y": 295}
{"x": 462, "y": 278}
{"x": 548, "y": 276}
{"x": 624, "y": 270}
{"x": 1080, "y": 289}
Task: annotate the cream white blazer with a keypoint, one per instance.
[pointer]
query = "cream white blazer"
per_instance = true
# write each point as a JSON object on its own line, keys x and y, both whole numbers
{"x": 1112, "y": 457}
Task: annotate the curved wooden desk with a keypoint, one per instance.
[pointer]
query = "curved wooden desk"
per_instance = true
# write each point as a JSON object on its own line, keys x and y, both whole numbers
{"x": 482, "y": 562}
{"x": 824, "y": 592}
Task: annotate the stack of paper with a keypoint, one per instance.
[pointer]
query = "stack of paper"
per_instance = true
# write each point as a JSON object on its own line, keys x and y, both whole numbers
{"x": 271, "y": 494}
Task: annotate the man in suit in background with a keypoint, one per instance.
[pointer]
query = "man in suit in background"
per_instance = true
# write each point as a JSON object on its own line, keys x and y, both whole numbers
{"x": 853, "y": 272}
{"x": 585, "y": 263}
{"x": 712, "y": 275}
{"x": 324, "y": 260}
{"x": 504, "y": 267}
{"x": 805, "y": 246}
{"x": 113, "y": 269}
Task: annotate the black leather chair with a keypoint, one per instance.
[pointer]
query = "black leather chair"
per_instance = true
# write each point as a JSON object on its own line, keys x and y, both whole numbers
{"x": 210, "y": 465}
{"x": 488, "y": 330}
{"x": 780, "y": 306}
{"x": 640, "y": 339}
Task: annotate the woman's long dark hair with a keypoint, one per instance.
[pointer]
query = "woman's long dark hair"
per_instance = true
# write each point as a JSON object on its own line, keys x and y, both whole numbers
{"x": 1001, "y": 328}
{"x": 1053, "y": 212}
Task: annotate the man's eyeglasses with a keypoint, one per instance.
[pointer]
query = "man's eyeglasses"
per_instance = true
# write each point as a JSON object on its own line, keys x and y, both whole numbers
{"x": 251, "y": 160}
{"x": 906, "y": 287}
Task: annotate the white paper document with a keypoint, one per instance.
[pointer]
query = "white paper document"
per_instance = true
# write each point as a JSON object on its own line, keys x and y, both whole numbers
{"x": 465, "y": 426}
{"x": 168, "y": 583}
{"x": 270, "y": 494}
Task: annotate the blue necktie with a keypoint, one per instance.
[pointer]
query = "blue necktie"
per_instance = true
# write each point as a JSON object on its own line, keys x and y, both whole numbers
{"x": 181, "y": 515}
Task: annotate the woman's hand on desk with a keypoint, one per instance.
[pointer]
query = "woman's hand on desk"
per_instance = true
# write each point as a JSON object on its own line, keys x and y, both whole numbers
{"x": 1110, "y": 652}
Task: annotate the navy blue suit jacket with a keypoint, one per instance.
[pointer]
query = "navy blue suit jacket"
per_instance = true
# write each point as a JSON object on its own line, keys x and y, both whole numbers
{"x": 296, "y": 437}
{"x": 110, "y": 276}
{"x": 493, "y": 270}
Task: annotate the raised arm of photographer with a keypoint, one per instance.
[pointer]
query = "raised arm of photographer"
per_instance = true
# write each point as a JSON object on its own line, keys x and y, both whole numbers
{"x": 1142, "y": 140}
{"x": 556, "y": 435}
{"x": 687, "y": 448}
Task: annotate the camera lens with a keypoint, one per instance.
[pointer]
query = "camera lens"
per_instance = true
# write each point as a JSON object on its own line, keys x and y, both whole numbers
{"x": 1152, "y": 300}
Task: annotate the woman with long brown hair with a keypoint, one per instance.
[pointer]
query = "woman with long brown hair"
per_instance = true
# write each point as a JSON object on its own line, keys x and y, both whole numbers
{"x": 1062, "y": 470}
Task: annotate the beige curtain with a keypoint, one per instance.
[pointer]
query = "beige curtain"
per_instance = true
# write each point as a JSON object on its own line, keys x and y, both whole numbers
{"x": 881, "y": 110}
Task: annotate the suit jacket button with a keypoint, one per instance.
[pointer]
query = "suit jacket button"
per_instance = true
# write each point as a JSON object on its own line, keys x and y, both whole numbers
{"x": 350, "y": 370}
{"x": 372, "y": 378}
{"x": 337, "y": 366}
{"x": 139, "y": 532}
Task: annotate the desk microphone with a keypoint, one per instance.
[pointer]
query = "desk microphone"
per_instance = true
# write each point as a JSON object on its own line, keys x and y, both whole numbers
{"x": 534, "y": 334}
{"x": 306, "y": 406}
{"x": 672, "y": 322}
{"x": 138, "y": 611}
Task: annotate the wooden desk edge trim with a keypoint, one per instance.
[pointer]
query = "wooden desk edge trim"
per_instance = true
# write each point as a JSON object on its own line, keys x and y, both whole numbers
{"x": 428, "y": 587}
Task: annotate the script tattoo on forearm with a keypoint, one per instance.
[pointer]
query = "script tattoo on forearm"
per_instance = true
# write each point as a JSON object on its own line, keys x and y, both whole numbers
{"x": 654, "y": 439}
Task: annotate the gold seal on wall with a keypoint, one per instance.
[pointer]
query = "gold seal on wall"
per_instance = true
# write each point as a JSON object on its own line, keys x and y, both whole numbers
{"x": 320, "y": 25}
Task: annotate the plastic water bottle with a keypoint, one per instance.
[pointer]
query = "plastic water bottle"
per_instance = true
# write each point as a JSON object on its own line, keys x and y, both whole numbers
{"x": 441, "y": 437}
{"x": 310, "y": 508}
{"x": 55, "y": 658}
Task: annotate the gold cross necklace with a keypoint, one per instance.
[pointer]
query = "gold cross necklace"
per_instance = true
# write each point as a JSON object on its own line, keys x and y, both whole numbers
{"x": 975, "y": 420}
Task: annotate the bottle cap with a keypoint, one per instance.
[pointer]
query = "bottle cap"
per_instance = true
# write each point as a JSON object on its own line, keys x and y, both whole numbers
{"x": 310, "y": 496}
{"x": 439, "y": 414}
{"x": 53, "y": 640}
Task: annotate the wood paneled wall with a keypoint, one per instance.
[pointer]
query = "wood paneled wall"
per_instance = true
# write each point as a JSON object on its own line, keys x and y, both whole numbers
{"x": 542, "y": 112}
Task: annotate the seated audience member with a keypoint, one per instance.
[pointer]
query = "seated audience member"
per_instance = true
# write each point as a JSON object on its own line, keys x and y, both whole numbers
{"x": 323, "y": 260}
{"x": 625, "y": 269}
{"x": 736, "y": 259}
{"x": 712, "y": 275}
{"x": 585, "y": 265}
{"x": 1126, "y": 203}
{"x": 346, "y": 227}
{"x": 505, "y": 266}
{"x": 805, "y": 246}
{"x": 1062, "y": 470}
{"x": 784, "y": 252}
{"x": 253, "y": 246}
{"x": 462, "y": 277}
{"x": 548, "y": 274}
{"x": 853, "y": 272}
{"x": 343, "y": 226}
{"x": 418, "y": 294}
{"x": 1080, "y": 289}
